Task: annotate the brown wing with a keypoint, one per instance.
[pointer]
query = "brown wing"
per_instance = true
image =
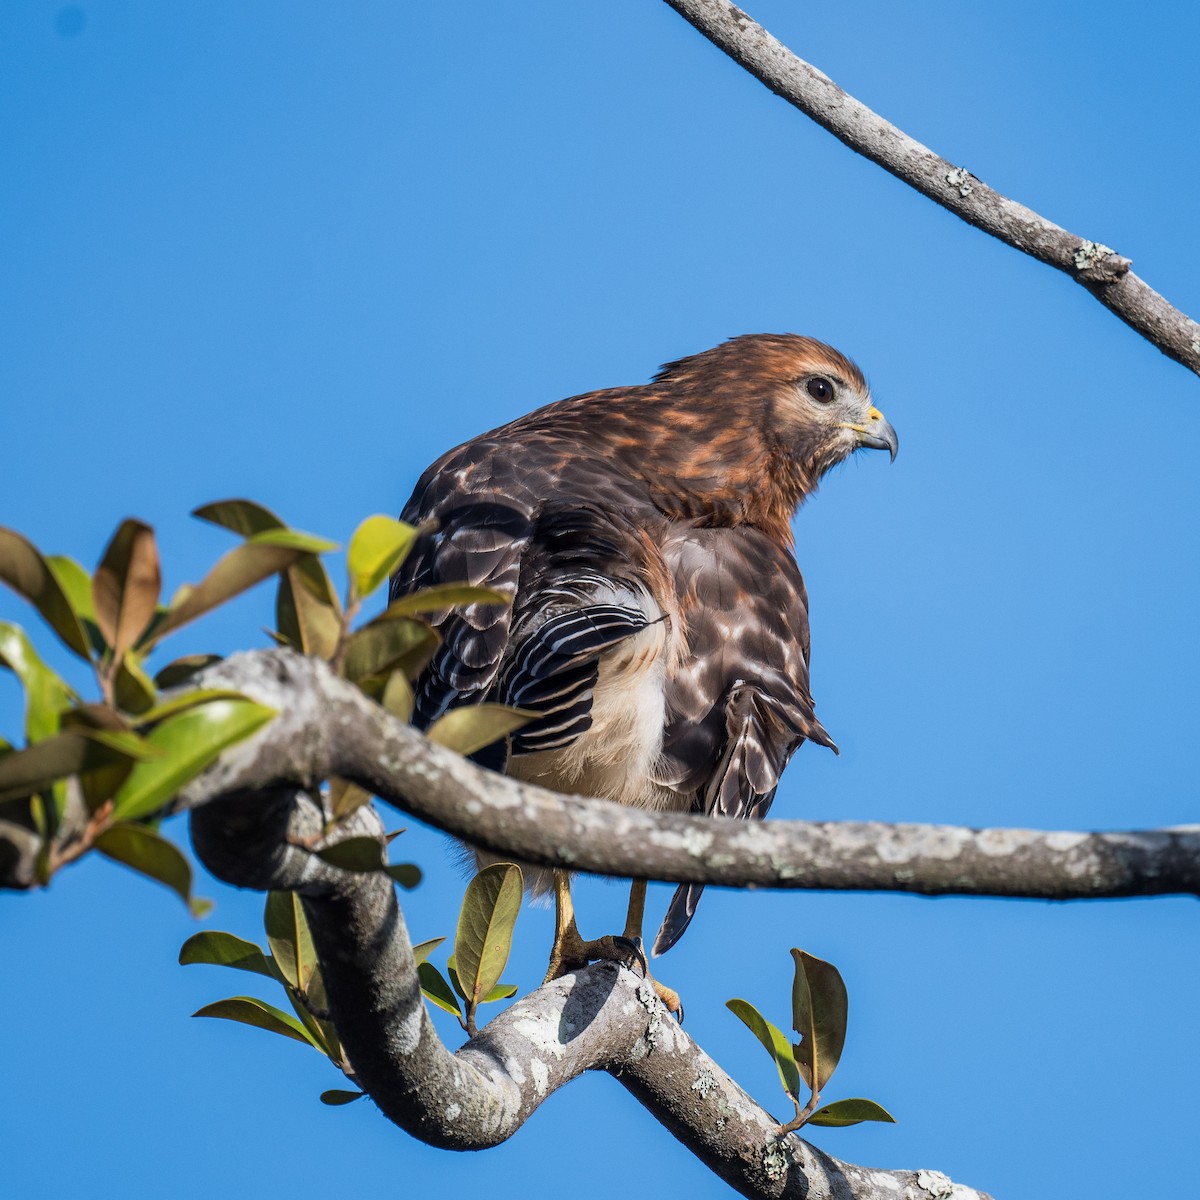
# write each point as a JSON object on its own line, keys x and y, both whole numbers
{"x": 739, "y": 705}
{"x": 527, "y": 511}
{"x": 483, "y": 512}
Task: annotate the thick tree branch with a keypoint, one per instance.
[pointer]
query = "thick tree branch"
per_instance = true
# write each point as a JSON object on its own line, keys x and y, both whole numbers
{"x": 1093, "y": 265}
{"x": 601, "y": 1018}
{"x": 326, "y": 726}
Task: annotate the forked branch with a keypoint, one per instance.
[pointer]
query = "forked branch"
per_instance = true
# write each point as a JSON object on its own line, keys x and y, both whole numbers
{"x": 602, "y": 1018}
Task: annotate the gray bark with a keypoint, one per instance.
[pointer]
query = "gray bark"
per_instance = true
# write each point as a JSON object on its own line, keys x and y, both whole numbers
{"x": 1105, "y": 273}
{"x": 328, "y": 727}
{"x": 602, "y": 1018}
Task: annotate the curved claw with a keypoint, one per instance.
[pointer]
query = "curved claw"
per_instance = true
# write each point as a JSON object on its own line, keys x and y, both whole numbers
{"x": 669, "y": 998}
{"x": 634, "y": 946}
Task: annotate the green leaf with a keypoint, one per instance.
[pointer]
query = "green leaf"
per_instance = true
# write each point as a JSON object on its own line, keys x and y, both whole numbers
{"x": 126, "y": 585}
{"x": 24, "y": 772}
{"x": 239, "y": 516}
{"x": 773, "y": 1041}
{"x": 190, "y": 741}
{"x": 240, "y": 569}
{"x": 315, "y": 580}
{"x": 123, "y": 742}
{"x": 322, "y": 1032}
{"x": 379, "y": 545}
{"x": 345, "y": 796}
{"x": 95, "y": 717}
{"x": 354, "y": 854}
{"x": 474, "y": 726}
{"x": 385, "y": 646}
{"x": 46, "y": 695}
{"x": 35, "y": 769}
{"x": 407, "y": 875}
{"x": 819, "y": 1012}
{"x": 248, "y": 518}
{"x": 309, "y": 624}
{"x": 315, "y": 998}
{"x": 442, "y": 595}
{"x": 455, "y": 982}
{"x": 437, "y": 990}
{"x": 24, "y": 569}
{"x": 149, "y": 636}
{"x": 397, "y": 697}
{"x": 76, "y": 584}
{"x": 180, "y": 670}
{"x": 103, "y": 775}
{"x": 423, "y": 950}
{"x": 289, "y": 938}
{"x": 337, "y": 1096}
{"x": 850, "y": 1112}
{"x": 219, "y": 949}
{"x": 183, "y": 702}
{"x": 249, "y": 1010}
{"x": 134, "y": 691}
{"x": 501, "y": 991}
{"x": 147, "y": 852}
{"x": 292, "y": 539}
{"x": 485, "y": 927}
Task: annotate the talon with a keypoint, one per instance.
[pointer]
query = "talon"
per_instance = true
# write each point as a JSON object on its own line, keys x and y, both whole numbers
{"x": 634, "y": 946}
{"x": 670, "y": 999}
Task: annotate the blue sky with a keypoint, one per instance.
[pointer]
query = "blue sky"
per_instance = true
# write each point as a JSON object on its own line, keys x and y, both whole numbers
{"x": 294, "y": 251}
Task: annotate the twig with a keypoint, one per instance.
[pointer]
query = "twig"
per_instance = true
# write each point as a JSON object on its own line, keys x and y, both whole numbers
{"x": 1105, "y": 273}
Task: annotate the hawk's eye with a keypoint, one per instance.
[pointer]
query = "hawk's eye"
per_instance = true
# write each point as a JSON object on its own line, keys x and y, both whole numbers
{"x": 819, "y": 389}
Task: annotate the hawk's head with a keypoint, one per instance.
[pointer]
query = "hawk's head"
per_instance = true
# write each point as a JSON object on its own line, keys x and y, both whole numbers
{"x": 810, "y": 402}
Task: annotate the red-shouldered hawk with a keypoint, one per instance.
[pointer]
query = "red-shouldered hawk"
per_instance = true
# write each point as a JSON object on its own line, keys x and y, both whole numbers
{"x": 659, "y": 622}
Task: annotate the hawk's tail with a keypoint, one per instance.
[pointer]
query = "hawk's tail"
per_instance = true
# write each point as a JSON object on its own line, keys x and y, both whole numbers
{"x": 679, "y": 916}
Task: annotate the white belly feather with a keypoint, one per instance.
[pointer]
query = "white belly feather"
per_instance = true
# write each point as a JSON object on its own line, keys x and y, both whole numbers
{"x": 616, "y": 756}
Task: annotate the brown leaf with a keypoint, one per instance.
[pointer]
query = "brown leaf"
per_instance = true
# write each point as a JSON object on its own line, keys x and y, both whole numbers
{"x": 126, "y": 586}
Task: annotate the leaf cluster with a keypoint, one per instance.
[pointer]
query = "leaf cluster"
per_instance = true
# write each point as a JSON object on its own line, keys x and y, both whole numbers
{"x": 481, "y": 950}
{"x": 819, "y": 1016}
{"x": 292, "y": 963}
{"x": 126, "y": 756}
{"x": 119, "y": 760}
{"x": 482, "y": 943}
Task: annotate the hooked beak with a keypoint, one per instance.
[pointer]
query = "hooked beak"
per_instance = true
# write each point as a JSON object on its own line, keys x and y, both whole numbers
{"x": 877, "y": 433}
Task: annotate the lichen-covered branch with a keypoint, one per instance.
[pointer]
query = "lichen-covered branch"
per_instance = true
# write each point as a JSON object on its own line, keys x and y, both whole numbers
{"x": 602, "y": 1018}
{"x": 327, "y": 726}
{"x": 1102, "y": 271}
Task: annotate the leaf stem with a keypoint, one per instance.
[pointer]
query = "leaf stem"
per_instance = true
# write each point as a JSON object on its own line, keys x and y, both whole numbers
{"x": 67, "y": 852}
{"x": 353, "y": 604}
{"x": 802, "y": 1114}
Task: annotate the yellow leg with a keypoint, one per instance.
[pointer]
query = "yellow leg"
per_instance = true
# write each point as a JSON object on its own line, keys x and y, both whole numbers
{"x": 570, "y": 952}
{"x": 566, "y": 932}
{"x": 637, "y": 909}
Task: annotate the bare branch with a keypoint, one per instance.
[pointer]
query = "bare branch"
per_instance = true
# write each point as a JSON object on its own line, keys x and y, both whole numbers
{"x": 602, "y": 1018}
{"x": 1095, "y": 266}
{"x": 327, "y": 726}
